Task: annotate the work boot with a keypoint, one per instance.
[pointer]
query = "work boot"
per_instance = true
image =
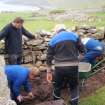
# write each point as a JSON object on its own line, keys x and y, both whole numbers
{"x": 75, "y": 102}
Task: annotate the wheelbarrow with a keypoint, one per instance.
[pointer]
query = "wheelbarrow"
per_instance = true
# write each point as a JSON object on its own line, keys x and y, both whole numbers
{"x": 86, "y": 70}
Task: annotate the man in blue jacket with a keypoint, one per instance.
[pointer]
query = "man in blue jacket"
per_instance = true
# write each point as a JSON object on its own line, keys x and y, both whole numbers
{"x": 94, "y": 49}
{"x": 64, "y": 49}
{"x": 17, "y": 77}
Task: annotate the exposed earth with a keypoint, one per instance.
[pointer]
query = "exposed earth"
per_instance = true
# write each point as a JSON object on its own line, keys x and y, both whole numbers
{"x": 43, "y": 91}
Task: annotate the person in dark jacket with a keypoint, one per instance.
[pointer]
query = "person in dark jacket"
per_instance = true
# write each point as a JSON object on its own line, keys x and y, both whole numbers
{"x": 17, "y": 77}
{"x": 64, "y": 49}
{"x": 12, "y": 34}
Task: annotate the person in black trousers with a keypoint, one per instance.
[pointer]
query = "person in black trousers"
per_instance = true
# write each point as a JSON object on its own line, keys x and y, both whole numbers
{"x": 64, "y": 49}
{"x": 12, "y": 34}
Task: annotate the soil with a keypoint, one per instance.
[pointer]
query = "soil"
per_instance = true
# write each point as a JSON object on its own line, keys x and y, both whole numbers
{"x": 93, "y": 83}
{"x": 43, "y": 91}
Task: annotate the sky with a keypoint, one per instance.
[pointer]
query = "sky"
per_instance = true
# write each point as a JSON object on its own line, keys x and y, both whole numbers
{"x": 21, "y": 5}
{"x": 4, "y": 6}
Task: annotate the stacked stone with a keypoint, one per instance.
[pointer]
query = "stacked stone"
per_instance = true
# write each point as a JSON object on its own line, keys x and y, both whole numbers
{"x": 90, "y": 32}
{"x": 35, "y": 50}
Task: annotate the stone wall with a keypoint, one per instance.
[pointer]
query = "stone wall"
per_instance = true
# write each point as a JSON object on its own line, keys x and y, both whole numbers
{"x": 90, "y": 31}
{"x": 35, "y": 50}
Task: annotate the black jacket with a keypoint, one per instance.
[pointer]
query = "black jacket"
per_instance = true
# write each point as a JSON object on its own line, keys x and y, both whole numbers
{"x": 13, "y": 38}
{"x": 64, "y": 47}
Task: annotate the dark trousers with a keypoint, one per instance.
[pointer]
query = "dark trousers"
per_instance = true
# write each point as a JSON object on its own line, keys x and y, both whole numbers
{"x": 13, "y": 59}
{"x": 71, "y": 74}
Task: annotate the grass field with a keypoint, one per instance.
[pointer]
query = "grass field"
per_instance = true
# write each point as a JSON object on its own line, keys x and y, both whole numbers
{"x": 31, "y": 23}
{"x": 98, "y": 98}
{"x": 34, "y": 24}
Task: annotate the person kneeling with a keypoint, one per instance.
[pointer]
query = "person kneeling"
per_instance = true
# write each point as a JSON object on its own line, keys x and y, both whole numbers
{"x": 17, "y": 77}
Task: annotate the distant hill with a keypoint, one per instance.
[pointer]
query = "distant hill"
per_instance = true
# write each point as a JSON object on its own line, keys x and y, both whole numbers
{"x": 72, "y": 4}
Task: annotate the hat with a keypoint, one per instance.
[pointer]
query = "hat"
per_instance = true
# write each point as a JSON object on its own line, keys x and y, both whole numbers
{"x": 59, "y": 27}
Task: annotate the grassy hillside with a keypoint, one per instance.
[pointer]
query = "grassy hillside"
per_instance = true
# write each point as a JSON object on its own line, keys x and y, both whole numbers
{"x": 97, "y": 98}
{"x": 33, "y": 24}
{"x": 30, "y": 23}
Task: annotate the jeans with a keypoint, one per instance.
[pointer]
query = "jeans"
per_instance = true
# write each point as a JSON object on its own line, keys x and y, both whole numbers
{"x": 72, "y": 76}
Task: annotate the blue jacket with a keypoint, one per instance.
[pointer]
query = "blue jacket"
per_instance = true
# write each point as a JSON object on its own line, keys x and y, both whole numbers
{"x": 64, "y": 47}
{"x": 63, "y": 36}
{"x": 92, "y": 44}
{"x": 17, "y": 76}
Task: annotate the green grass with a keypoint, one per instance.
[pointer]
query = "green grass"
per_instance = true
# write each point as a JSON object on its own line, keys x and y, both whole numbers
{"x": 98, "y": 14}
{"x": 42, "y": 22}
{"x": 99, "y": 19}
{"x": 98, "y": 98}
{"x": 32, "y": 23}
{"x": 39, "y": 25}
{"x": 5, "y": 18}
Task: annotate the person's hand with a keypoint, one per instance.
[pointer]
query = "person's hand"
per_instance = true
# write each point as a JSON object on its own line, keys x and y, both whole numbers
{"x": 30, "y": 94}
{"x": 49, "y": 74}
{"x": 20, "y": 98}
{"x": 81, "y": 56}
{"x": 49, "y": 77}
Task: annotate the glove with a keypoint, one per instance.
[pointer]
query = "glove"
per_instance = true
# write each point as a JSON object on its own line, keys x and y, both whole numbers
{"x": 20, "y": 98}
{"x": 81, "y": 57}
